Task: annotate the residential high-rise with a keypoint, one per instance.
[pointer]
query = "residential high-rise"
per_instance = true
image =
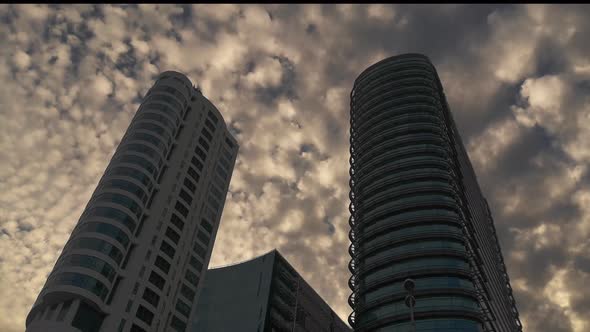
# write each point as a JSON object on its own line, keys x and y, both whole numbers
{"x": 136, "y": 258}
{"x": 417, "y": 211}
{"x": 264, "y": 294}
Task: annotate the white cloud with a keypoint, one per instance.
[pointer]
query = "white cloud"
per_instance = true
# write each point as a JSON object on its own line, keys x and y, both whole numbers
{"x": 268, "y": 73}
{"x": 490, "y": 144}
{"x": 545, "y": 96}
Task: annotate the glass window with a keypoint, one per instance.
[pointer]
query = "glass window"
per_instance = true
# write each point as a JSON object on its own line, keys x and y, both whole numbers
{"x": 176, "y": 221}
{"x": 172, "y": 235}
{"x": 207, "y": 225}
{"x": 193, "y": 174}
{"x": 196, "y": 264}
{"x": 436, "y": 262}
{"x": 147, "y": 114}
{"x": 177, "y": 324}
{"x": 186, "y": 196}
{"x": 183, "y": 308}
{"x": 162, "y": 264}
{"x": 214, "y": 203}
{"x": 198, "y": 165}
{"x": 211, "y": 215}
{"x": 212, "y": 116}
{"x": 144, "y": 149}
{"x": 190, "y": 185}
{"x": 229, "y": 142}
{"x": 207, "y": 134}
{"x": 90, "y": 262}
{"x": 204, "y": 144}
{"x": 122, "y": 200}
{"x": 432, "y": 214}
{"x": 112, "y": 214}
{"x": 81, "y": 281}
{"x": 201, "y": 252}
{"x": 144, "y": 314}
{"x": 167, "y": 249}
{"x": 216, "y": 192}
{"x": 121, "y": 325}
{"x": 423, "y": 304}
{"x": 149, "y": 165}
{"x": 187, "y": 292}
{"x": 227, "y": 155}
{"x": 421, "y": 283}
{"x": 133, "y": 173}
{"x": 210, "y": 125}
{"x": 105, "y": 229}
{"x": 64, "y": 310}
{"x": 200, "y": 153}
{"x": 163, "y": 108}
{"x": 221, "y": 172}
{"x": 167, "y": 99}
{"x": 412, "y": 230}
{"x": 224, "y": 163}
{"x": 156, "y": 141}
{"x": 414, "y": 247}
{"x": 435, "y": 325}
{"x": 87, "y": 319}
{"x": 51, "y": 312}
{"x": 203, "y": 237}
{"x": 150, "y": 126}
{"x": 96, "y": 245}
{"x": 151, "y": 297}
{"x": 181, "y": 209}
{"x": 157, "y": 280}
{"x": 135, "y": 328}
{"x": 128, "y": 186}
{"x": 170, "y": 90}
{"x": 219, "y": 180}
{"x": 191, "y": 278}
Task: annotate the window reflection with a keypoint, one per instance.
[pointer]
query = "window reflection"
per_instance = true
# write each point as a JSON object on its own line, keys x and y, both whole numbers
{"x": 127, "y": 186}
{"x": 97, "y": 245}
{"x": 122, "y": 200}
{"x": 112, "y": 214}
{"x": 131, "y": 172}
{"x": 82, "y": 281}
{"x": 90, "y": 262}
{"x": 106, "y": 229}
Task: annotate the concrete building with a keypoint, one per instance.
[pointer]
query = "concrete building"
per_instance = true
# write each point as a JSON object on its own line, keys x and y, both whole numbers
{"x": 264, "y": 294}
{"x": 136, "y": 259}
{"x": 417, "y": 211}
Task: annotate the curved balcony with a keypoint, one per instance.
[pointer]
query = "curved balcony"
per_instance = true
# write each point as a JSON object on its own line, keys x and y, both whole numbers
{"x": 405, "y": 214}
{"x": 91, "y": 259}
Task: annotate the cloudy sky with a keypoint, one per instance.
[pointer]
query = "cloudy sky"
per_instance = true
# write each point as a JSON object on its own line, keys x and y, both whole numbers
{"x": 517, "y": 79}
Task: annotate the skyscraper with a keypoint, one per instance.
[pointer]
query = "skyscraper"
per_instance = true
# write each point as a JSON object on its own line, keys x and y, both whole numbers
{"x": 264, "y": 294}
{"x": 136, "y": 258}
{"x": 417, "y": 211}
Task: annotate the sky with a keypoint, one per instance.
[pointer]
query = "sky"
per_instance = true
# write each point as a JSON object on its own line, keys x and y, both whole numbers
{"x": 517, "y": 79}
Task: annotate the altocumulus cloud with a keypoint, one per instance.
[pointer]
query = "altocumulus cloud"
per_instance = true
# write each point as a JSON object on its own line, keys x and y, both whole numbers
{"x": 517, "y": 79}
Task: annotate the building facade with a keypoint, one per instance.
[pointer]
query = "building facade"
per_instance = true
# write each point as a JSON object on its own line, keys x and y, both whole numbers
{"x": 136, "y": 258}
{"x": 417, "y": 211}
{"x": 264, "y": 294}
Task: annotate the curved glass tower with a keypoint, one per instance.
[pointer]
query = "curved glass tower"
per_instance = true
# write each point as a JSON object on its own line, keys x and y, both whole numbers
{"x": 134, "y": 260}
{"x": 417, "y": 211}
